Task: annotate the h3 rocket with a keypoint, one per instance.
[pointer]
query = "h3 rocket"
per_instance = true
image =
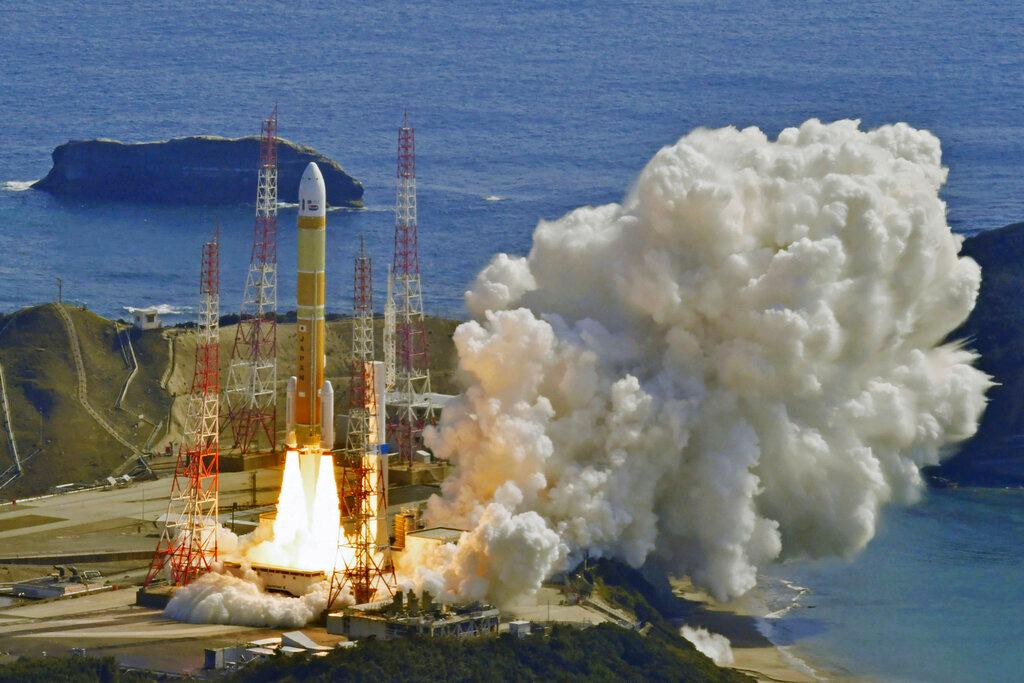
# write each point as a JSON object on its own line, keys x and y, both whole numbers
{"x": 309, "y": 407}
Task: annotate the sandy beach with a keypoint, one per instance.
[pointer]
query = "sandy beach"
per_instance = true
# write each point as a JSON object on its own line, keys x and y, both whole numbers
{"x": 737, "y": 620}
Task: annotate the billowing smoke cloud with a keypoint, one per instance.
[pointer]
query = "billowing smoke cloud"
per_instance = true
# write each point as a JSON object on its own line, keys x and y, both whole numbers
{"x": 741, "y": 362}
{"x": 713, "y": 645}
{"x": 216, "y": 598}
{"x": 219, "y": 597}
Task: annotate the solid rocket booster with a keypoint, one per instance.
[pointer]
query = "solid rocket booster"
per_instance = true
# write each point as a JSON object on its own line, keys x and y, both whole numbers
{"x": 310, "y": 402}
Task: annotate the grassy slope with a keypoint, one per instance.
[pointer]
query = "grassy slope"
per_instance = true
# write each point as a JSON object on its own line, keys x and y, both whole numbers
{"x": 42, "y": 388}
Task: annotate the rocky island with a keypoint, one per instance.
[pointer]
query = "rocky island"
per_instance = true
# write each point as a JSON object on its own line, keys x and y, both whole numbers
{"x": 191, "y": 170}
{"x": 995, "y": 329}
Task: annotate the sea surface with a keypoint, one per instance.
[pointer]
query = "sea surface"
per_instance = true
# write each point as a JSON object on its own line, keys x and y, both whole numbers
{"x": 522, "y": 112}
{"x": 935, "y": 597}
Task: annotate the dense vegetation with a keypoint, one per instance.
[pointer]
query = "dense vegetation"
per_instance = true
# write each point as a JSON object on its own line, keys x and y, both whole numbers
{"x": 601, "y": 653}
{"x": 68, "y": 670}
{"x": 995, "y": 456}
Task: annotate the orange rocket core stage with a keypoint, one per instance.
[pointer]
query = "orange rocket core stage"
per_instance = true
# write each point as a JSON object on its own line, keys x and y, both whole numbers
{"x": 305, "y": 428}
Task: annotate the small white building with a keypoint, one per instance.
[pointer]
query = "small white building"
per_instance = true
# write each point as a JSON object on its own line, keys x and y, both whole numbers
{"x": 145, "y": 318}
{"x": 519, "y": 628}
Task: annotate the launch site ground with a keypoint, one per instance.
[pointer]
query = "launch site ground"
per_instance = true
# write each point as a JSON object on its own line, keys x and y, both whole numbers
{"x": 86, "y": 528}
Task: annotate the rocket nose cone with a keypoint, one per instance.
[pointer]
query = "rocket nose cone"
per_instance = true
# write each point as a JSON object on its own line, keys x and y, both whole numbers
{"x": 312, "y": 172}
{"x": 312, "y": 193}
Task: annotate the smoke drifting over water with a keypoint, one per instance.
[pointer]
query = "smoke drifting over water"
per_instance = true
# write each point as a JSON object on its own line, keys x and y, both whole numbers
{"x": 741, "y": 362}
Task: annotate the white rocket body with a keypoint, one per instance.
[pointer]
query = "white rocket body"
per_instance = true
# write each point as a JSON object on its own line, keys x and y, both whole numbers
{"x": 289, "y": 412}
{"x": 327, "y": 416}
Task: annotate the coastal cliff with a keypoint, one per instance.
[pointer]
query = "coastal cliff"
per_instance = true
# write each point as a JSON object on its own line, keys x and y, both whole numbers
{"x": 995, "y": 455}
{"x": 191, "y": 170}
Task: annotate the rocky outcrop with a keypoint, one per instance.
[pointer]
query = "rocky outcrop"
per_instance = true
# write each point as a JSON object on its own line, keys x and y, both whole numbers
{"x": 192, "y": 170}
{"x": 995, "y": 328}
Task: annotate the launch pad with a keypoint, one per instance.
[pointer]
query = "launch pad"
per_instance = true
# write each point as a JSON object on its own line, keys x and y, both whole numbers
{"x": 275, "y": 579}
{"x": 324, "y": 528}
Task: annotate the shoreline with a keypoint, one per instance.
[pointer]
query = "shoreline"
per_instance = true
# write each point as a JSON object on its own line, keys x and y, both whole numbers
{"x": 744, "y": 622}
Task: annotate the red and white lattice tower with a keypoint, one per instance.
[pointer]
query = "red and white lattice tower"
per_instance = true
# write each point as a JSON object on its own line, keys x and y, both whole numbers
{"x": 411, "y": 406}
{"x": 251, "y": 393}
{"x": 366, "y": 569}
{"x": 188, "y": 543}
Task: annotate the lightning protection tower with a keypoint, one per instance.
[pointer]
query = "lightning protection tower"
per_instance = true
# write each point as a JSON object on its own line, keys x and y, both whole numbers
{"x": 188, "y": 543}
{"x": 368, "y": 568}
{"x": 251, "y": 393}
{"x": 361, "y": 391}
{"x": 411, "y": 402}
{"x": 388, "y": 334}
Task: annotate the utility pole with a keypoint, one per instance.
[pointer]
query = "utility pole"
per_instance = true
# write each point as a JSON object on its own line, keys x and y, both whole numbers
{"x": 252, "y": 479}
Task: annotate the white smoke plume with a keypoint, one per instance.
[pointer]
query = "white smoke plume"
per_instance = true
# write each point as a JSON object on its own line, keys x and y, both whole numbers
{"x": 741, "y": 362}
{"x": 219, "y": 597}
{"x": 713, "y": 645}
{"x": 216, "y": 598}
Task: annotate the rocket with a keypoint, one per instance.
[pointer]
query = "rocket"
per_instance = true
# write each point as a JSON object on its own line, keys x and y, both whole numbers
{"x": 309, "y": 405}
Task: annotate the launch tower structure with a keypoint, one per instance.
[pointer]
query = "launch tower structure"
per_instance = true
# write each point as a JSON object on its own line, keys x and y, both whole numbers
{"x": 390, "y": 372}
{"x": 362, "y": 408}
{"x": 368, "y": 569}
{"x": 412, "y": 399}
{"x": 251, "y": 392}
{"x": 188, "y": 543}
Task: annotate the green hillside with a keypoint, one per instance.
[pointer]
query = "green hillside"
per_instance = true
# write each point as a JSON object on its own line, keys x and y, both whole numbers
{"x": 64, "y": 443}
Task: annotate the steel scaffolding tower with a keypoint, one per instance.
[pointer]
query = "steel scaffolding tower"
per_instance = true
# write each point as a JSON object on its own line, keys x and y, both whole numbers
{"x": 364, "y": 482}
{"x": 411, "y": 403}
{"x": 362, "y": 408}
{"x": 388, "y": 335}
{"x": 251, "y": 393}
{"x": 188, "y": 543}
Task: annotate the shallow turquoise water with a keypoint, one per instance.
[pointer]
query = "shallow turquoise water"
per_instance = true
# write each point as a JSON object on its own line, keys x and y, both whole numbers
{"x": 936, "y": 596}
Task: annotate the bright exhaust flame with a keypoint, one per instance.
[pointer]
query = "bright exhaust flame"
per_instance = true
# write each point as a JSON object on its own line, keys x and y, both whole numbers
{"x": 306, "y": 528}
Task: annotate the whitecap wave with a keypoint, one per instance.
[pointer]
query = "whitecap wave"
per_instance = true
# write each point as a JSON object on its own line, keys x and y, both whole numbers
{"x": 18, "y": 185}
{"x": 494, "y": 198}
{"x": 789, "y": 595}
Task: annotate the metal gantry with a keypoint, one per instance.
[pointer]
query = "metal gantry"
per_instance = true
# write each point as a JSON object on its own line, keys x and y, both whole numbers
{"x": 251, "y": 393}
{"x": 188, "y": 542}
{"x": 411, "y": 406}
{"x": 388, "y": 334}
{"x": 362, "y": 408}
{"x": 366, "y": 567}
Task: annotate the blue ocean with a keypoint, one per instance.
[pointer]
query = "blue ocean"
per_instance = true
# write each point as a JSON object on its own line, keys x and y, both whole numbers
{"x": 524, "y": 111}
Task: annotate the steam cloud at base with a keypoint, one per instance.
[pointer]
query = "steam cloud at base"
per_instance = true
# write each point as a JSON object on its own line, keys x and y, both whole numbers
{"x": 223, "y": 598}
{"x": 216, "y": 598}
{"x": 741, "y": 362}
